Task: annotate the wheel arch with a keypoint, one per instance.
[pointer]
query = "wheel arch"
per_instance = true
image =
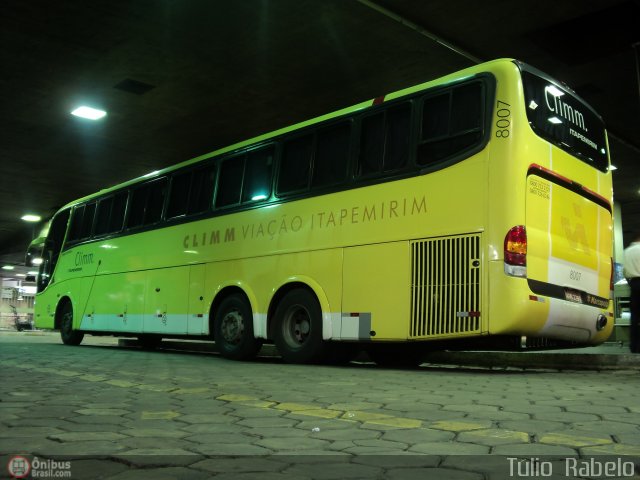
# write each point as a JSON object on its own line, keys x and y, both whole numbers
{"x": 224, "y": 292}
{"x": 58, "y": 315}
{"x": 293, "y": 283}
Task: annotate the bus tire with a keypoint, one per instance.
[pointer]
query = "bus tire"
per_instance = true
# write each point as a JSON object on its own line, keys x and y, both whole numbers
{"x": 298, "y": 327}
{"x": 233, "y": 329}
{"x": 68, "y": 335}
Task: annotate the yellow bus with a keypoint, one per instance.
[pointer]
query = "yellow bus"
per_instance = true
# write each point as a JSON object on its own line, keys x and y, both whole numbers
{"x": 473, "y": 211}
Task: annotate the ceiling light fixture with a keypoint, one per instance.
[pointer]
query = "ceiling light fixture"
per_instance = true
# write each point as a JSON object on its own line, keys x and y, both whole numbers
{"x": 31, "y": 218}
{"x": 8, "y": 267}
{"x": 89, "y": 113}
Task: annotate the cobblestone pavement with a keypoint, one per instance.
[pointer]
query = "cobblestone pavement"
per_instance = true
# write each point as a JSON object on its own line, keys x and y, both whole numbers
{"x": 120, "y": 413}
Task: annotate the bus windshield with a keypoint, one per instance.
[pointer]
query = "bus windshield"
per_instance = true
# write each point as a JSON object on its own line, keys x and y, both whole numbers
{"x": 561, "y": 117}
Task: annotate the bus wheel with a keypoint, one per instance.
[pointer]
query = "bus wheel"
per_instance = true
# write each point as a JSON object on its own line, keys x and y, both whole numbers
{"x": 233, "y": 329}
{"x": 298, "y": 327}
{"x": 67, "y": 333}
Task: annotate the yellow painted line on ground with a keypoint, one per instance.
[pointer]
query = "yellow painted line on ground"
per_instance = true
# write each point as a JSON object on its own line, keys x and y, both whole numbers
{"x": 612, "y": 449}
{"x": 310, "y": 410}
{"x": 365, "y": 416}
{"x": 228, "y": 397}
{"x": 313, "y": 410}
{"x": 510, "y": 435}
{"x": 155, "y": 388}
{"x": 92, "y": 378}
{"x": 398, "y": 422}
{"x": 191, "y": 391}
{"x": 573, "y": 441}
{"x": 296, "y": 407}
{"x": 319, "y": 413}
{"x": 167, "y": 415}
{"x": 121, "y": 383}
{"x": 458, "y": 426}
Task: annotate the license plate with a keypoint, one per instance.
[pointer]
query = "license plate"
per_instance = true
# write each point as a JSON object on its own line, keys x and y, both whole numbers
{"x": 572, "y": 296}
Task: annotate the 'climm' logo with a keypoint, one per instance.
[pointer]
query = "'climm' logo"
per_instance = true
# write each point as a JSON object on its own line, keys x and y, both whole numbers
{"x": 83, "y": 259}
{"x": 552, "y": 96}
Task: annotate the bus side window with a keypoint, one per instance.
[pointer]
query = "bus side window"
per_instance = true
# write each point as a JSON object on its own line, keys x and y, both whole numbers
{"x": 102, "y": 216}
{"x": 332, "y": 155}
{"x": 397, "y": 137}
{"x": 87, "y": 220}
{"x": 116, "y": 220}
{"x": 146, "y": 204}
{"x": 202, "y": 186}
{"x": 371, "y": 145}
{"x": 110, "y": 214}
{"x": 179, "y": 194}
{"x": 230, "y": 181}
{"x": 451, "y": 123}
{"x": 257, "y": 175}
{"x": 81, "y": 222}
{"x": 384, "y": 140}
{"x": 295, "y": 166}
{"x": 155, "y": 201}
{"x": 75, "y": 228}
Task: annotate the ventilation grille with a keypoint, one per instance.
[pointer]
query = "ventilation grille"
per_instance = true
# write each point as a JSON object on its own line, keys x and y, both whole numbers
{"x": 445, "y": 286}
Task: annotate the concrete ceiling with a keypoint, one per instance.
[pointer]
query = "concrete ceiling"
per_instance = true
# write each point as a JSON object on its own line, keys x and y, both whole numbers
{"x": 182, "y": 78}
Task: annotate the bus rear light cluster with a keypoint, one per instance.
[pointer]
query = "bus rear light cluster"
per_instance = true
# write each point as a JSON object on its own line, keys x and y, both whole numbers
{"x": 515, "y": 252}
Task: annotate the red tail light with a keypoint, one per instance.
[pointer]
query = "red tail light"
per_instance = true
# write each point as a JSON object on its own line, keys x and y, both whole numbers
{"x": 515, "y": 246}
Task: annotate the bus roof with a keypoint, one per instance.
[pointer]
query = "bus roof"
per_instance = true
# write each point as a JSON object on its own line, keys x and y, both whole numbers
{"x": 455, "y": 76}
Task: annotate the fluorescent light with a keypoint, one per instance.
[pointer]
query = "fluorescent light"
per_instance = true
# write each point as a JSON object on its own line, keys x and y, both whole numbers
{"x": 555, "y": 120}
{"x": 259, "y": 197}
{"x": 37, "y": 261}
{"x": 8, "y": 267}
{"x": 32, "y": 273}
{"x": 31, "y": 218}
{"x": 89, "y": 113}
{"x": 20, "y": 275}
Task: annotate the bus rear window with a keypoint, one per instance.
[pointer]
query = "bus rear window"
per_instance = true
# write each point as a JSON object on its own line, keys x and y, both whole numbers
{"x": 561, "y": 117}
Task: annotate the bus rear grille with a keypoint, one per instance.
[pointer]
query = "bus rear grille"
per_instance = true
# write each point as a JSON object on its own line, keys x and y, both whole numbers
{"x": 445, "y": 286}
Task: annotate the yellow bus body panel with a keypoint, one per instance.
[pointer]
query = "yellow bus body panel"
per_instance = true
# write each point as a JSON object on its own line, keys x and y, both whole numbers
{"x": 359, "y": 249}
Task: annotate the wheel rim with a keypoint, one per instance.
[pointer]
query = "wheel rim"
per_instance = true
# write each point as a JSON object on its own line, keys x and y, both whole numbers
{"x": 232, "y": 327}
{"x": 296, "y": 327}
